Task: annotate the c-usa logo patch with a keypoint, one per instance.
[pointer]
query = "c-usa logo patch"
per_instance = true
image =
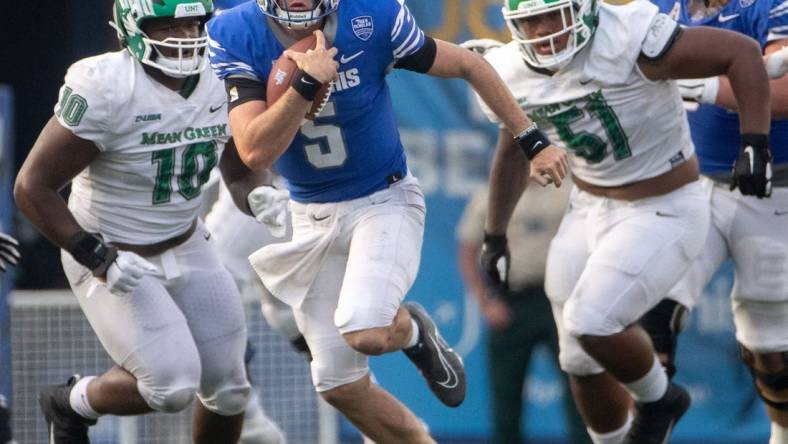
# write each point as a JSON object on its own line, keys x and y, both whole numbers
{"x": 363, "y": 26}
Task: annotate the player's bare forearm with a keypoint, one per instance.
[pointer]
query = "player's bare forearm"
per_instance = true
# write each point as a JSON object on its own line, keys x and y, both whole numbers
{"x": 454, "y": 61}
{"x": 468, "y": 260}
{"x": 239, "y": 178}
{"x": 778, "y": 89}
{"x": 508, "y": 178}
{"x": 263, "y": 133}
{"x": 705, "y": 52}
{"x": 55, "y": 159}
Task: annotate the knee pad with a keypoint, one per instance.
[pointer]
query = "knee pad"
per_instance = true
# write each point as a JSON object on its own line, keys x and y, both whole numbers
{"x": 575, "y": 361}
{"x": 663, "y": 323}
{"x": 772, "y": 387}
{"x": 170, "y": 399}
{"x": 228, "y": 400}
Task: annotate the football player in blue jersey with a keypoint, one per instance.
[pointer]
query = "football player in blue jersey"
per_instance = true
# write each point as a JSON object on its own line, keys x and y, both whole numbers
{"x": 745, "y": 226}
{"x": 358, "y": 213}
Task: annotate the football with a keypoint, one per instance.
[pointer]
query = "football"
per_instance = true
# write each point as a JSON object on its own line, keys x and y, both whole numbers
{"x": 282, "y": 74}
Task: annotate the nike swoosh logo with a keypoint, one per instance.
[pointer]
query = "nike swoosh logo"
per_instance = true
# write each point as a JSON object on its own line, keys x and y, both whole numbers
{"x": 214, "y": 109}
{"x": 751, "y": 153}
{"x": 661, "y": 214}
{"x": 586, "y": 82}
{"x": 318, "y": 219}
{"x": 306, "y": 82}
{"x": 780, "y": 213}
{"x": 344, "y": 59}
{"x": 537, "y": 144}
{"x": 451, "y": 375}
{"x": 725, "y": 18}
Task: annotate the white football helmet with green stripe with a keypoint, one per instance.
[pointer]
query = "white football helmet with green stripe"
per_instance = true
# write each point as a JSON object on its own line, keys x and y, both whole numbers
{"x": 128, "y": 18}
{"x": 579, "y": 21}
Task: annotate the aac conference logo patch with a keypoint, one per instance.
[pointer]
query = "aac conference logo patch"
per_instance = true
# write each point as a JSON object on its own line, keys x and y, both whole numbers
{"x": 363, "y": 27}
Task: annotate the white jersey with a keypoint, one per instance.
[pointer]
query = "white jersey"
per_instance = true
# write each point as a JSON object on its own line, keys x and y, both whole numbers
{"x": 618, "y": 126}
{"x": 157, "y": 147}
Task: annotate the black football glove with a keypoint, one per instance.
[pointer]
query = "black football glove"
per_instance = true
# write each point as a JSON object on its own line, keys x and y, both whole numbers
{"x": 752, "y": 172}
{"x": 9, "y": 253}
{"x": 495, "y": 261}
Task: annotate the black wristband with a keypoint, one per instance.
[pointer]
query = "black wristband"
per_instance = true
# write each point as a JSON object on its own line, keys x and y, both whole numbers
{"x": 89, "y": 250}
{"x": 305, "y": 85}
{"x": 757, "y": 141}
{"x": 495, "y": 241}
{"x": 532, "y": 141}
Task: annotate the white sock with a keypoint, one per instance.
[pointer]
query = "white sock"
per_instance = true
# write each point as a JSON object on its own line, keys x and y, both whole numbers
{"x": 78, "y": 398}
{"x": 779, "y": 434}
{"x": 414, "y": 334}
{"x": 614, "y": 437}
{"x": 652, "y": 386}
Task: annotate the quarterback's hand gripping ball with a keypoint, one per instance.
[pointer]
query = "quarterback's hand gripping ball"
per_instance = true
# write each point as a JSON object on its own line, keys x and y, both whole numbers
{"x": 269, "y": 207}
{"x": 309, "y": 68}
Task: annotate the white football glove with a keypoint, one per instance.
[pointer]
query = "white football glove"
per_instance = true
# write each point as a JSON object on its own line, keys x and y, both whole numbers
{"x": 699, "y": 90}
{"x": 481, "y": 46}
{"x": 125, "y": 273}
{"x": 269, "y": 207}
{"x": 777, "y": 63}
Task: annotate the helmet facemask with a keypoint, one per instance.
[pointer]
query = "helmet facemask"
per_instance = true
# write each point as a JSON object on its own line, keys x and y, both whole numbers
{"x": 177, "y": 57}
{"x": 190, "y": 58}
{"x": 298, "y": 17}
{"x": 578, "y": 21}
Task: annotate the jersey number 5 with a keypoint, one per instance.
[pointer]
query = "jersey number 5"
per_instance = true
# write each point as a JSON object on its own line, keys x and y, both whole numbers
{"x": 190, "y": 167}
{"x": 323, "y": 143}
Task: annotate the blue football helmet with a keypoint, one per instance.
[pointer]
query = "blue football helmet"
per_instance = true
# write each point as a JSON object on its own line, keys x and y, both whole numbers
{"x": 301, "y": 18}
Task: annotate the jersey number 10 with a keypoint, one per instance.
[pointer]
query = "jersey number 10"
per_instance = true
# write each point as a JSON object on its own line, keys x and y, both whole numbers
{"x": 190, "y": 167}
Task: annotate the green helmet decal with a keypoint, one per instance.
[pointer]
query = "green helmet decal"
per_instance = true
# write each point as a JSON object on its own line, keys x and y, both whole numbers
{"x": 128, "y": 19}
{"x": 578, "y": 18}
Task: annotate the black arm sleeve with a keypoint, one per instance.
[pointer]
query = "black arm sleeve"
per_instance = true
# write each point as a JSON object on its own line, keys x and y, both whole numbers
{"x": 241, "y": 90}
{"x": 421, "y": 60}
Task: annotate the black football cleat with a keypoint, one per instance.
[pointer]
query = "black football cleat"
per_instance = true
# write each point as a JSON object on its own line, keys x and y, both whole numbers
{"x": 654, "y": 421}
{"x": 65, "y": 426}
{"x": 440, "y": 365}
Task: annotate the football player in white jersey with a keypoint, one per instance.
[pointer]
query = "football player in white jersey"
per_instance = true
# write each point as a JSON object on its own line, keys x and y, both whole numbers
{"x": 139, "y": 131}
{"x": 596, "y": 78}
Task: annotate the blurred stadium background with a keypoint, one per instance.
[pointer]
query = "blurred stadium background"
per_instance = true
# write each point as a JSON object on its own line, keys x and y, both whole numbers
{"x": 44, "y": 337}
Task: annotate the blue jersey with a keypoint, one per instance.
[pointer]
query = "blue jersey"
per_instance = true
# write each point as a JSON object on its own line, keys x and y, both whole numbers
{"x": 353, "y": 147}
{"x": 227, "y": 4}
{"x": 715, "y": 131}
